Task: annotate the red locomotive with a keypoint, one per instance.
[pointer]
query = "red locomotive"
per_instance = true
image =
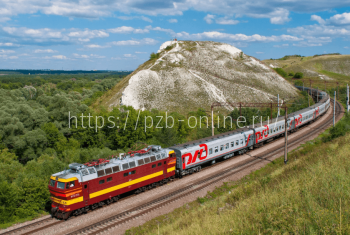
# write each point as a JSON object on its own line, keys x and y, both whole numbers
{"x": 87, "y": 186}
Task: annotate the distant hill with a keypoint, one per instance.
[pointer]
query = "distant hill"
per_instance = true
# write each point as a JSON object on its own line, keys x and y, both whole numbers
{"x": 323, "y": 66}
{"x": 46, "y": 71}
{"x": 186, "y": 75}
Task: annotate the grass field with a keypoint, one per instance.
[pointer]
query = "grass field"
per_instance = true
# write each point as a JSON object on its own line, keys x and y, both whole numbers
{"x": 309, "y": 195}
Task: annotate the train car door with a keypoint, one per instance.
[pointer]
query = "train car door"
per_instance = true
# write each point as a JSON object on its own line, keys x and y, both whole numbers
{"x": 86, "y": 192}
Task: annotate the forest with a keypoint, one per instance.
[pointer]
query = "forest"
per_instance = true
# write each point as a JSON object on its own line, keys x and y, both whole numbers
{"x": 37, "y": 139}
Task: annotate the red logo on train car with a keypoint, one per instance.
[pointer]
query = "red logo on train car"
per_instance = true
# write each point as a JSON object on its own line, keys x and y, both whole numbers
{"x": 317, "y": 111}
{"x": 198, "y": 153}
{"x": 298, "y": 120}
{"x": 264, "y": 133}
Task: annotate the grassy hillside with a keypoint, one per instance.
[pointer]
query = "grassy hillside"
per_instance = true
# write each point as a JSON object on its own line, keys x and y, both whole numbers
{"x": 336, "y": 67}
{"x": 310, "y": 195}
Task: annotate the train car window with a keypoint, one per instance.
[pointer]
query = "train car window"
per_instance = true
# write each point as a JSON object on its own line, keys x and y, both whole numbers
{"x": 52, "y": 183}
{"x": 60, "y": 185}
{"x": 109, "y": 179}
{"x": 241, "y": 141}
{"x": 100, "y": 173}
{"x": 108, "y": 171}
{"x": 153, "y": 166}
{"x": 133, "y": 172}
{"x": 140, "y": 162}
{"x": 132, "y": 164}
{"x": 227, "y": 145}
{"x": 115, "y": 168}
{"x": 153, "y": 159}
{"x": 159, "y": 164}
{"x": 280, "y": 127}
{"x": 210, "y": 151}
{"x": 125, "y": 166}
{"x": 92, "y": 170}
{"x": 232, "y": 144}
{"x": 126, "y": 174}
{"x": 221, "y": 147}
{"x": 84, "y": 172}
{"x": 237, "y": 142}
{"x": 158, "y": 156}
{"x": 216, "y": 149}
{"x": 101, "y": 182}
{"x": 147, "y": 160}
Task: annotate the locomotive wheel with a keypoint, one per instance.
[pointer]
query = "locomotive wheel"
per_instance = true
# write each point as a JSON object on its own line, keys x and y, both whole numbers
{"x": 115, "y": 198}
{"x": 108, "y": 201}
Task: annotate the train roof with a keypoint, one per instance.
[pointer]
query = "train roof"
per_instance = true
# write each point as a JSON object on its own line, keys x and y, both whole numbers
{"x": 84, "y": 172}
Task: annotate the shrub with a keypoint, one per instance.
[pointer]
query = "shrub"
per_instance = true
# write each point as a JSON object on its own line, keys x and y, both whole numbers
{"x": 154, "y": 56}
{"x": 290, "y": 74}
{"x": 298, "y": 75}
{"x": 168, "y": 48}
{"x": 281, "y": 72}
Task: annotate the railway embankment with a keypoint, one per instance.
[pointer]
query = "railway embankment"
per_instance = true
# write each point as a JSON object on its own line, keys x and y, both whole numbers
{"x": 311, "y": 194}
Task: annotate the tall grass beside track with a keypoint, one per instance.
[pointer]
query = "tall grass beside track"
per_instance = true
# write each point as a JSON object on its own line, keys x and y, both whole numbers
{"x": 309, "y": 195}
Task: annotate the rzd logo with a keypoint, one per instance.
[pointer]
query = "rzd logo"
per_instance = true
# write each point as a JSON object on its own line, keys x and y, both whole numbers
{"x": 260, "y": 135}
{"x": 298, "y": 120}
{"x": 198, "y": 153}
{"x": 317, "y": 111}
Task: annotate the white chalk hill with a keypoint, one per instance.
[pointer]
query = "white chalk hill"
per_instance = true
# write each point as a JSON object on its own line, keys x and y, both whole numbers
{"x": 194, "y": 74}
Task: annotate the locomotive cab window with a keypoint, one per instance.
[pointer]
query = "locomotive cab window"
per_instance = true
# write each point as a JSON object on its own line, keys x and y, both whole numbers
{"x": 60, "y": 185}
{"x": 210, "y": 151}
{"x": 52, "y": 183}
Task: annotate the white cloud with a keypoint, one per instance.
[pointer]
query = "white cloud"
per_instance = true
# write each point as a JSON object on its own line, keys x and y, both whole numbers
{"x": 307, "y": 44}
{"x": 346, "y": 47}
{"x": 259, "y": 52}
{"x": 318, "y": 19}
{"x": 61, "y": 57}
{"x": 340, "y": 19}
{"x": 238, "y": 37}
{"x": 282, "y": 45}
{"x": 81, "y": 56}
{"x": 95, "y": 46}
{"x": 135, "y": 17}
{"x": 45, "y": 51}
{"x": 8, "y": 44}
{"x": 97, "y": 56}
{"x": 227, "y": 21}
{"x": 126, "y": 29}
{"x": 129, "y": 56}
{"x": 87, "y": 33}
{"x": 134, "y": 42}
{"x": 6, "y": 51}
{"x": 140, "y": 52}
{"x": 172, "y": 21}
{"x": 13, "y": 57}
{"x": 209, "y": 18}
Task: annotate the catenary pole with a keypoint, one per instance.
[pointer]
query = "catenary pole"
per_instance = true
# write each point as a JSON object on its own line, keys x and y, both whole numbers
{"x": 334, "y": 108}
{"x": 347, "y": 98}
{"x": 212, "y": 121}
{"x": 286, "y": 136}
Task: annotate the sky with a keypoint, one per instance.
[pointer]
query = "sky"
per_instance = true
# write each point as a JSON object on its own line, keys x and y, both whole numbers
{"x": 121, "y": 35}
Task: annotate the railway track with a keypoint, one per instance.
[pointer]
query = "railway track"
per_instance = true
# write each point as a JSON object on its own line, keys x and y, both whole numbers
{"x": 133, "y": 213}
{"x": 45, "y": 223}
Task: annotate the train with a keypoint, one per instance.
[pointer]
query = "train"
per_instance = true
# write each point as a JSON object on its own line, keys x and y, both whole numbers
{"x": 85, "y": 187}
